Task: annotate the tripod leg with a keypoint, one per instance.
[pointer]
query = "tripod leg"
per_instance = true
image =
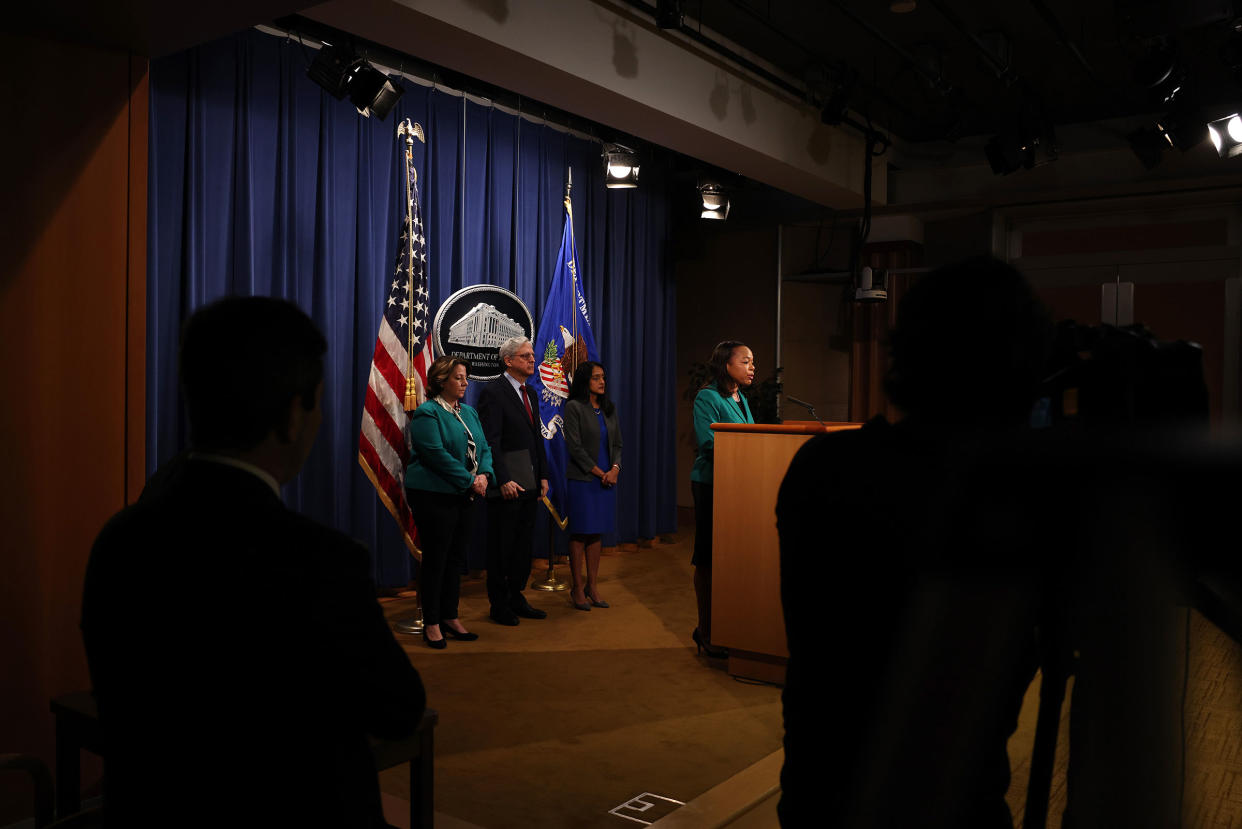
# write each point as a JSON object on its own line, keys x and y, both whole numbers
{"x": 1051, "y": 696}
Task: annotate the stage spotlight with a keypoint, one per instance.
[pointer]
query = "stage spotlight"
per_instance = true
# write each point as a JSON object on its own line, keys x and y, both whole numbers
{"x": 670, "y": 13}
{"x": 373, "y": 92}
{"x": 1226, "y": 135}
{"x": 1007, "y": 153}
{"x": 1231, "y": 55}
{"x": 1183, "y": 127}
{"x": 620, "y": 167}
{"x": 1149, "y": 144}
{"x": 1162, "y": 74}
{"x": 715, "y": 205}
{"x": 835, "y": 108}
{"x": 340, "y": 72}
{"x": 331, "y": 69}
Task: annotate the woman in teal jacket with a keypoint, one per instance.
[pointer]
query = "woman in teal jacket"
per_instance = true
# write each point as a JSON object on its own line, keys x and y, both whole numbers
{"x": 720, "y": 401}
{"x": 450, "y": 464}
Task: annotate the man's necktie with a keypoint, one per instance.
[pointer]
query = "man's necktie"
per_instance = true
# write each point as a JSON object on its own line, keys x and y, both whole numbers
{"x": 526, "y": 400}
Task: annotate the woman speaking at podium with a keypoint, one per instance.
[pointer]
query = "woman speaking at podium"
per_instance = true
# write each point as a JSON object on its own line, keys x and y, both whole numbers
{"x": 732, "y": 367}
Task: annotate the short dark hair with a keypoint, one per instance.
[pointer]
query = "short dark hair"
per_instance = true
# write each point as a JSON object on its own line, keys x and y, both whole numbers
{"x": 580, "y": 389}
{"x": 971, "y": 344}
{"x": 243, "y": 359}
{"x": 440, "y": 371}
{"x": 718, "y": 365}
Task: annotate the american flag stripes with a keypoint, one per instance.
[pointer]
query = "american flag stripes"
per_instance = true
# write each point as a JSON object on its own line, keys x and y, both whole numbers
{"x": 402, "y": 355}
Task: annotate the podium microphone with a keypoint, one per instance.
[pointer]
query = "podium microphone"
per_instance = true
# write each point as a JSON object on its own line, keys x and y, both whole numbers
{"x": 806, "y": 406}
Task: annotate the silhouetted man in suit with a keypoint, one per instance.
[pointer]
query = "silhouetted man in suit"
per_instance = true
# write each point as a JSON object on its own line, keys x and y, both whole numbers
{"x": 237, "y": 651}
{"x": 509, "y": 411}
{"x": 905, "y": 576}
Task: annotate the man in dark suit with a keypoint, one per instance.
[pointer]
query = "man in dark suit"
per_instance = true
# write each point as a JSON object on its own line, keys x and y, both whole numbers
{"x": 221, "y": 704}
{"x": 509, "y": 412}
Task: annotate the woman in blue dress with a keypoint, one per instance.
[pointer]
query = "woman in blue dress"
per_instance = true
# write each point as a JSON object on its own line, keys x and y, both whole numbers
{"x": 593, "y": 438}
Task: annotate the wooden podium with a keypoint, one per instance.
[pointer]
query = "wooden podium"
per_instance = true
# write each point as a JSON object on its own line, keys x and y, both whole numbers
{"x": 750, "y": 463}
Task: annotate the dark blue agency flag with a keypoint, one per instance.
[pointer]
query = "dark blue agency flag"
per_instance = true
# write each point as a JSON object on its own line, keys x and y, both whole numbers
{"x": 563, "y": 342}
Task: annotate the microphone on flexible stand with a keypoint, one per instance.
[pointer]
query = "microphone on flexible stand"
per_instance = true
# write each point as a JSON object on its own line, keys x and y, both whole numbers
{"x": 806, "y": 406}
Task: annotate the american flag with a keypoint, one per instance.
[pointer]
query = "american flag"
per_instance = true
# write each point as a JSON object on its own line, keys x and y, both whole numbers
{"x": 402, "y": 356}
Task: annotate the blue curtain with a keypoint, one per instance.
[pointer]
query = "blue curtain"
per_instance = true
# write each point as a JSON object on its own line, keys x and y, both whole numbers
{"x": 261, "y": 183}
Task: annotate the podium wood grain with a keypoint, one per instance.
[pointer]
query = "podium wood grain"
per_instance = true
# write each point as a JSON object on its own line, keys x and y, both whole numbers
{"x": 750, "y": 463}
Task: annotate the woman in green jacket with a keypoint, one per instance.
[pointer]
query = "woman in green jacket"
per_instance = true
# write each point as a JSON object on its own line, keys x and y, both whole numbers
{"x": 450, "y": 464}
{"x": 720, "y": 401}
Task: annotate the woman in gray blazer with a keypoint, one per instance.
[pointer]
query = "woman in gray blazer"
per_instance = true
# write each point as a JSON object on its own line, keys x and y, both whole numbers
{"x": 593, "y": 438}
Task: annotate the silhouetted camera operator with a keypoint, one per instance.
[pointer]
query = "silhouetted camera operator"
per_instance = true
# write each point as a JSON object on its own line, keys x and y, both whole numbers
{"x": 928, "y": 566}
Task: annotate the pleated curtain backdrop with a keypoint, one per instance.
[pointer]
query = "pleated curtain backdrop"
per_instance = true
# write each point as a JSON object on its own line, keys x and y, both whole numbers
{"x": 261, "y": 183}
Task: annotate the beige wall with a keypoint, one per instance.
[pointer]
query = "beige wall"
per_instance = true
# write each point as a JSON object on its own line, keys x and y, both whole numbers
{"x": 73, "y": 243}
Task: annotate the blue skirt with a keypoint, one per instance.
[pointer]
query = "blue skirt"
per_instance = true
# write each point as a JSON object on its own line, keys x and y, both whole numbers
{"x": 592, "y": 508}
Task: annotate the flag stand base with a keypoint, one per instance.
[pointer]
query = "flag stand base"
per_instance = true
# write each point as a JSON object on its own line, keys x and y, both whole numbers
{"x": 413, "y": 625}
{"x": 550, "y": 583}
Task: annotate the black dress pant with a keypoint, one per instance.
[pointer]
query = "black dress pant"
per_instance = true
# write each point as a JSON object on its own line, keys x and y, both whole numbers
{"x": 443, "y": 520}
{"x": 510, "y": 541}
{"x": 703, "y": 495}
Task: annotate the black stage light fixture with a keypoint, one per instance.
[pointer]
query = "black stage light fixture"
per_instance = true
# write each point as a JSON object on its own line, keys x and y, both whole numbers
{"x": 1149, "y": 144}
{"x": 1007, "y": 153}
{"x": 331, "y": 69}
{"x": 835, "y": 108}
{"x": 620, "y": 167}
{"x": 1184, "y": 127}
{"x": 373, "y": 92}
{"x": 670, "y": 13}
{"x": 715, "y": 203}
{"x": 1162, "y": 74}
{"x": 1231, "y": 55}
{"x": 1226, "y": 135}
{"x": 1026, "y": 147}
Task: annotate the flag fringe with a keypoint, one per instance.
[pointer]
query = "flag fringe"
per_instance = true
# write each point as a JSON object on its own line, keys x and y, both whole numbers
{"x": 392, "y": 508}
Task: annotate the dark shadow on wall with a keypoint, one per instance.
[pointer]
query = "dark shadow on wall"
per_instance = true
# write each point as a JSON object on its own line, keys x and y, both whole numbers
{"x": 719, "y": 98}
{"x": 624, "y": 53}
{"x": 819, "y": 145}
{"x": 748, "y": 104}
{"x": 497, "y": 10}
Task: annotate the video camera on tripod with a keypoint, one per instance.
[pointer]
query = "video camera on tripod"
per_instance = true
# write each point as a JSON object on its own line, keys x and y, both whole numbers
{"x": 1104, "y": 377}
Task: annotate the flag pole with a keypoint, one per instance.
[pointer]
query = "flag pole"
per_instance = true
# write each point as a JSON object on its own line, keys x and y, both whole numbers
{"x": 412, "y": 624}
{"x": 573, "y": 272}
{"x": 411, "y": 175}
{"x": 551, "y": 582}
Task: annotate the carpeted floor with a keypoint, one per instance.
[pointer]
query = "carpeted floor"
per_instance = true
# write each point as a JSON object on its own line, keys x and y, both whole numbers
{"x": 557, "y": 721}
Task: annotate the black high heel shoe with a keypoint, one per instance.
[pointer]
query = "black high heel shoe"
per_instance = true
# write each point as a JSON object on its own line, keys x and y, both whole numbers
{"x": 460, "y": 637}
{"x": 437, "y": 644}
{"x": 580, "y": 606}
{"x": 707, "y": 647}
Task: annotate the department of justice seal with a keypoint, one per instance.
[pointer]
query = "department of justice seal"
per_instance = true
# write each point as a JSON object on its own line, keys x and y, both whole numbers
{"x": 473, "y": 322}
